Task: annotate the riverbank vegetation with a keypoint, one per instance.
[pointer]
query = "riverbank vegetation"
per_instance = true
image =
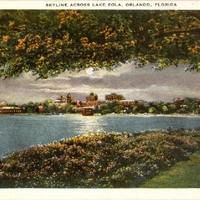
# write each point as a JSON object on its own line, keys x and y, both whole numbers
{"x": 104, "y": 160}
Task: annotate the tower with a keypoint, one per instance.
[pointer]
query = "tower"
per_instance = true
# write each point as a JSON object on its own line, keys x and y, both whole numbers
{"x": 69, "y": 98}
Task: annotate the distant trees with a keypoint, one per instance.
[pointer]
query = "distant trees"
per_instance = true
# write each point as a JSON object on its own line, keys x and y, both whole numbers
{"x": 30, "y": 107}
{"x": 109, "y": 107}
{"x": 187, "y": 105}
{"x": 192, "y": 105}
{"x": 52, "y": 41}
{"x": 71, "y": 109}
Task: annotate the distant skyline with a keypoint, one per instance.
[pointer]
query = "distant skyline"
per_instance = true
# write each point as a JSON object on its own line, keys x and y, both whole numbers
{"x": 133, "y": 83}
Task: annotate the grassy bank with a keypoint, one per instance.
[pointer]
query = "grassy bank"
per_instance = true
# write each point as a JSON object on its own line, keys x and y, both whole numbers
{"x": 110, "y": 160}
{"x": 181, "y": 175}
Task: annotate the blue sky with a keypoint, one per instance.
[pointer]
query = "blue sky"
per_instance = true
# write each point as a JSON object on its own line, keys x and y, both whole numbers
{"x": 133, "y": 83}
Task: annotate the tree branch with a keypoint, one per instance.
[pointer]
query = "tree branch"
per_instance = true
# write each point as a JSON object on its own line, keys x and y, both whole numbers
{"x": 191, "y": 30}
{"x": 194, "y": 14}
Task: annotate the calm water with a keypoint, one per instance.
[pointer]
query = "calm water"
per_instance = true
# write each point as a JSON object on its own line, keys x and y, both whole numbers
{"x": 18, "y": 132}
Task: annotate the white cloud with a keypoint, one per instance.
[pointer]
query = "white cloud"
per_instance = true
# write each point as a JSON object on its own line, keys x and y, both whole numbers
{"x": 140, "y": 83}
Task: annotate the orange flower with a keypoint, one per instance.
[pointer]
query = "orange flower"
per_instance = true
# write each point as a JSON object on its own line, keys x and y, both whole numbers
{"x": 11, "y": 23}
{"x": 6, "y": 38}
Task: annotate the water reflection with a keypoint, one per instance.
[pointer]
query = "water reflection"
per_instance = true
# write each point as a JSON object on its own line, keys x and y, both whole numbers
{"x": 89, "y": 124}
{"x": 19, "y": 132}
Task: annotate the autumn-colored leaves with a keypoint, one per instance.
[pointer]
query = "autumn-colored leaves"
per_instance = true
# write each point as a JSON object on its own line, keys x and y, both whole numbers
{"x": 73, "y": 40}
{"x": 50, "y": 42}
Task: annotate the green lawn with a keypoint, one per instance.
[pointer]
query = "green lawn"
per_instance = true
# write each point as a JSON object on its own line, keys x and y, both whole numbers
{"x": 184, "y": 174}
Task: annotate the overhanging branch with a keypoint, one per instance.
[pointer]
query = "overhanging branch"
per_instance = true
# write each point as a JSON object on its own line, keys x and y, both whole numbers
{"x": 191, "y": 30}
{"x": 194, "y": 14}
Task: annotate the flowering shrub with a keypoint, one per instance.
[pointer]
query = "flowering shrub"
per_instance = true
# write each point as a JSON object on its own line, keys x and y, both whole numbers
{"x": 111, "y": 160}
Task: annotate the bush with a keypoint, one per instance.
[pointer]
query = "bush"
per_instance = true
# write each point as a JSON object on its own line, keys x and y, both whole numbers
{"x": 111, "y": 160}
{"x": 152, "y": 110}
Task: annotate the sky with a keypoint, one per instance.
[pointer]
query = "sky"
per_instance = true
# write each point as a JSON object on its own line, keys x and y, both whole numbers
{"x": 133, "y": 83}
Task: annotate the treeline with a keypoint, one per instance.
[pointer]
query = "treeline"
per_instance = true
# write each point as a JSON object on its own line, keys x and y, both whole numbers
{"x": 179, "y": 106}
{"x": 46, "y": 107}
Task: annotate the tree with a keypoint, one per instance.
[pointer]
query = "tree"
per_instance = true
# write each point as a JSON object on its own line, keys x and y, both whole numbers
{"x": 71, "y": 109}
{"x": 152, "y": 110}
{"x": 172, "y": 108}
{"x": 192, "y": 105}
{"x": 30, "y": 107}
{"x": 52, "y": 41}
{"x": 53, "y": 109}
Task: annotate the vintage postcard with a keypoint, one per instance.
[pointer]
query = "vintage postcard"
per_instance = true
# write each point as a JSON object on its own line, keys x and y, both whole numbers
{"x": 99, "y": 100}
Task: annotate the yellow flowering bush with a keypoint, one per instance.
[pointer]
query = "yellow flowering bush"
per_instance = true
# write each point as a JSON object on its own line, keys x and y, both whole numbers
{"x": 104, "y": 160}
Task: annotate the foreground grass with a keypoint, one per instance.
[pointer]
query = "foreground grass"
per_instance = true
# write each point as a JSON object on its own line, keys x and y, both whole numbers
{"x": 111, "y": 160}
{"x": 182, "y": 175}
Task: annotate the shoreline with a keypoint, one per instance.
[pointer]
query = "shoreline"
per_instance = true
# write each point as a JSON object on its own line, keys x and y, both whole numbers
{"x": 110, "y": 114}
{"x": 152, "y": 115}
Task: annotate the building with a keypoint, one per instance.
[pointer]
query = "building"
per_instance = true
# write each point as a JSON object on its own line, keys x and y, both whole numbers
{"x": 92, "y": 97}
{"x": 69, "y": 98}
{"x": 87, "y": 104}
{"x": 126, "y": 103}
{"x": 179, "y": 100}
{"x": 60, "y": 100}
{"x": 10, "y": 110}
{"x": 114, "y": 96}
{"x": 87, "y": 111}
{"x": 40, "y": 108}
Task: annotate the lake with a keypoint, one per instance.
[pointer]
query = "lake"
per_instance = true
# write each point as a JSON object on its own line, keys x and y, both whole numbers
{"x": 18, "y": 132}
